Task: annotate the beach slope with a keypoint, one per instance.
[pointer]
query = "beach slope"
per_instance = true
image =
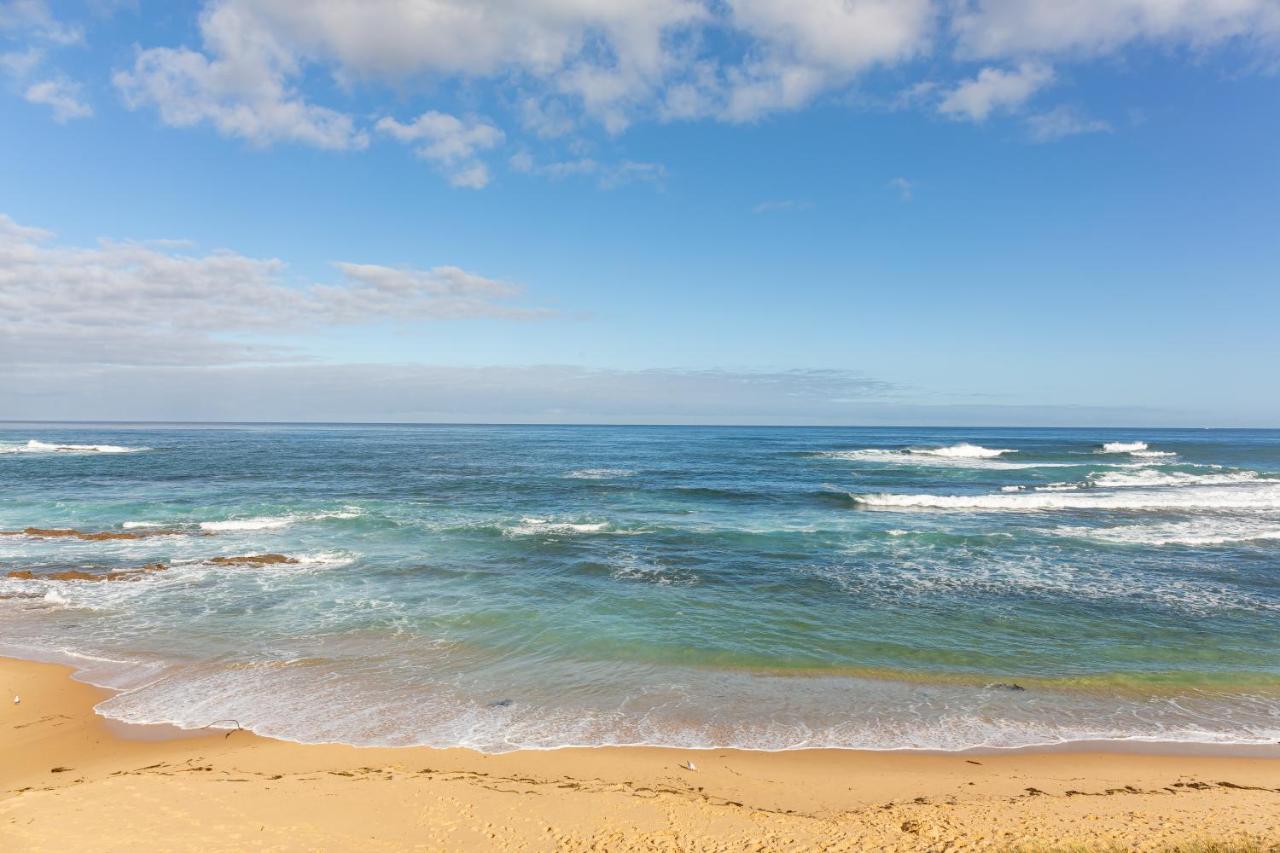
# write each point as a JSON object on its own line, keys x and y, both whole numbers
{"x": 70, "y": 780}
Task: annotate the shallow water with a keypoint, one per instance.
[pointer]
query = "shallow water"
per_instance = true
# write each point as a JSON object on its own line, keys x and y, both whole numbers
{"x": 502, "y": 587}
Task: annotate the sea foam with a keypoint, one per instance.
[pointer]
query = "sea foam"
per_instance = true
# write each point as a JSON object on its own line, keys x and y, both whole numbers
{"x": 1258, "y": 497}
{"x": 34, "y": 446}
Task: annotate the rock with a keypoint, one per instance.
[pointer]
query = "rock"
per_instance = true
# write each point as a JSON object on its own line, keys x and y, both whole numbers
{"x": 76, "y": 575}
{"x": 253, "y": 560}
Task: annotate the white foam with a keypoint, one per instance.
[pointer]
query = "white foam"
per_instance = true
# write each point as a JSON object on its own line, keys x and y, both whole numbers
{"x": 964, "y": 450}
{"x": 1199, "y": 533}
{"x": 599, "y": 474}
{"x": 908, "y": 457}
{"x": 1123, "y": 447}
{"x": 264, "y": 523}
{"x": 1154, "y": 477}
{"x": 530, "y": 526}
{"x": 274, "y": 522}
{"x": 34, "y": 446}
{"x": 1255, "y": 497}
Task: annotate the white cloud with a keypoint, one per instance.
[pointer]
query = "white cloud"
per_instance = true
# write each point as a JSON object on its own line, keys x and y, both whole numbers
{"x": 563, "y": 64}
{"x": 614, "y": 59}
{"x": 903, "y": 187}
{"x": 450, "y": 143}
{"x": 37, "y": 31}
{"x": 32, "y": 19}
{"x": 608, "y": 176}
{"x": 20, "y": 63}
{"x": 241, "y": 86}
{"x": 780, "y": 206}
{"x": 1000, "y": 28}
{"x": 152, "y": 303}
{"x": 995, "y": 90}
{"x": 1061, "y": 122}
{"x": 61, "y": 96}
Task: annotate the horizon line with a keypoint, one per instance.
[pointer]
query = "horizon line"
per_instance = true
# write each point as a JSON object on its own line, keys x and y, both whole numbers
{"x": 55, "y": 421}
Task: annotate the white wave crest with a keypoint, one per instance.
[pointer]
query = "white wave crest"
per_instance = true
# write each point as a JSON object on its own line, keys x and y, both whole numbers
{"x": 273, "y": 522}
{"x": 34, "y": 446}
{"x": 599, "y": 474}
{"x": 1200, "y": 533}
{"x": 964, "y": 450}
{"x": 1123, "y": 447}
{"x": 529, "y": 526}
{"x": 1155, "y": 477}
{"x": 1255, "y": 497}
{"x": 234, "y": 524}
{"x": 956, "y": 456}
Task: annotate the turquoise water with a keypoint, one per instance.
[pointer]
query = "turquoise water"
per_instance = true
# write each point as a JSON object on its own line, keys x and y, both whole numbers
{"x": 502, "y": 587}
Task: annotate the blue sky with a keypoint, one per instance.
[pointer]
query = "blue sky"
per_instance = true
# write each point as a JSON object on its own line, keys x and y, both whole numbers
{"x": 833, "y": 211}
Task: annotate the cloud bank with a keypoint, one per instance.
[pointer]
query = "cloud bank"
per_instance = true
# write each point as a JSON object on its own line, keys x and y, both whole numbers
{"x": 129, "y": 303}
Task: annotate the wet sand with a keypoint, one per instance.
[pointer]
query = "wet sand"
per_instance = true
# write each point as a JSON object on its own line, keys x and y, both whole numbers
{"x": 70, "y": 780}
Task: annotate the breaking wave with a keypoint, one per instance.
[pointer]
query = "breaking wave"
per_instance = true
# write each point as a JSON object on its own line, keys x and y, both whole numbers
{"x": 1194, "y": 534}
{"x": 599, "y": 474}
{"x": 530, "y": 526}
{"x": 1257, "y": 497}
{"x": 964, "y": 450}
{"x": 269, "y": 522}
{"x": 34, "y": 446}
{"x": 1134, "y": 448}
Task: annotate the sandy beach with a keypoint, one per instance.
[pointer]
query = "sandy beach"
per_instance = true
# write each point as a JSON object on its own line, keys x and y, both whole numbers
{"x": 71, "y": 780}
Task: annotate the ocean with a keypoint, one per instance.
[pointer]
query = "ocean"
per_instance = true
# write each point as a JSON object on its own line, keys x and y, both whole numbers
{"x": 505, "y": 587}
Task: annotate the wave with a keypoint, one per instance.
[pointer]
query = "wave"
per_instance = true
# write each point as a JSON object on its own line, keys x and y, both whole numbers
{"x": 1154, "y": 477}
{"x": 1143, "y": 477}
{"x": 529, "y": 526}
{"x": 268, "y": 522}
{"x": 1259, "y": 497}
{"x": 599, "y": 474}
{"x": 964, "y": 450}
{"x": 34, "y": 446}
{"x": 1192, "y": 534}
{"x": 955, "y": 456}
{"x": 1134, "y": 448}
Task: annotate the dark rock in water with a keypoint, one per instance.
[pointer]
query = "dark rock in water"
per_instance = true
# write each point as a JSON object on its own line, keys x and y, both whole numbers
{"x": 1002, "y": 685}
{"x": 253, "y": 560}
{"x": 76, "y": 575}
{"x": 501, "y": 703}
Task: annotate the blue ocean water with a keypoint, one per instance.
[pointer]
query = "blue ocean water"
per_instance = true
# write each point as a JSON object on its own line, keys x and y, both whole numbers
{"x": 527, "y": 586}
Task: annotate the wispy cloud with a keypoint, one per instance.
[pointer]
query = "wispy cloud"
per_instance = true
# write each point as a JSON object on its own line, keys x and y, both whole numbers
{"x": 1061, "y": 122}
{"x": 607, "y": 176}
{"x": 60, "y": 95}
{"x": 152, "y": 303}
{"x": 780, "y": 206}
{"x": 452, "y": 144}
{"x": 902, "y": 187}
{"x": 995, "y": 90}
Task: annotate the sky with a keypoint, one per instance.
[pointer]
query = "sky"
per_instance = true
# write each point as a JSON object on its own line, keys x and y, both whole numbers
{"x": 937, "y": 212}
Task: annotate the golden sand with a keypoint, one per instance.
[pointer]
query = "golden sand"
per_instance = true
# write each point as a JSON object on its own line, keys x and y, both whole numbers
{"x": 71, "y": 781}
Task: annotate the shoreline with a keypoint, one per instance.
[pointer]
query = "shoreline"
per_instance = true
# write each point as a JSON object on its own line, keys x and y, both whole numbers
{"x": 231, "y": 789}
{"x": 1135, "y": 745}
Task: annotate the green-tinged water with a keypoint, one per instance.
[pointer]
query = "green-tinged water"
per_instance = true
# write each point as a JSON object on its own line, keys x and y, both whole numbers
{"x": 501, "y": 587}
